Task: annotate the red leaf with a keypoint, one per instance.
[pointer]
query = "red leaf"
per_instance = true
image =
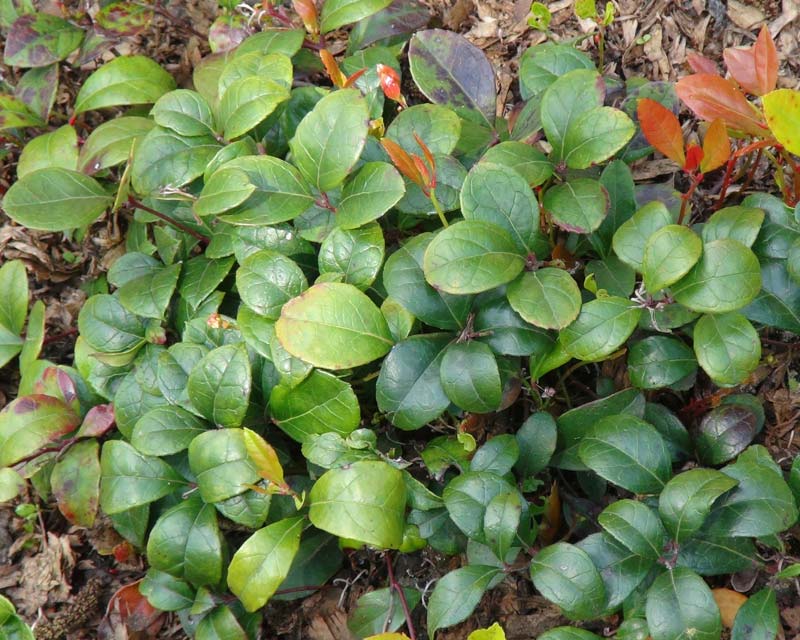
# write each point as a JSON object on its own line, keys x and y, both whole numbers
{"x": 766, "y": 61}
{"x": 700, "y": 64}
{"x": 694, "y": 155}
{"x": 716, "y": 147}
{"x": 754, "y": 68}
{"x": 97, "y": 421}
{"x": 352, "y": 79}
{"x": 390, "y": 82}
{"x": 662, "y": 129}
{"x": 402, "y": 161}
{"x": 130, "y": 615}
{"x": 712, "y": 97}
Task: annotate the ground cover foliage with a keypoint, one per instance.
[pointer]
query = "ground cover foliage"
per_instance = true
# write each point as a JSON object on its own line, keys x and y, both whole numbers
{"x": 341, "y": 269}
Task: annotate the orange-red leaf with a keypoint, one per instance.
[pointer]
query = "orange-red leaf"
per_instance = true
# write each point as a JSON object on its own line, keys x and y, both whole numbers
{"x": 390, "y": 82}
{"x": 729, "y": 603}
{"x": 754, "y": 68}
{"x": 352, "y": 79}
{"x": 307, "y": 11}
{"x": 334, "y": 73}
{"x": 662, "y": 129}
{"x": 716, "y": 147}
{"x": 402, "y": 161}
{"x": 694, "y": 155}
{"x": 712, "y": 97}
{"x": 700, "y": 64}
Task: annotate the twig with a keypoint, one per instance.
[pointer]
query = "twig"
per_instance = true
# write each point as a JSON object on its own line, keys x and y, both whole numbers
{"x": 171, "y": 221}
{"x": 394, "y": 584}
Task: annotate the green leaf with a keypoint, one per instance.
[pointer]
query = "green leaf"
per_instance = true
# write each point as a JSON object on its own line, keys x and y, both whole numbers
{"x": 497, "y": 455}
{"x": 659, "y": 361}
{"x": 285, "y": 41}
{"x": 713, "y": 556}
{"x": 110, "y": 144}
{"x": 337, "y": 13}
{"x": 726, "y": 278}
{"x": 221, "y": 465}
{"x": 166, "y": 592}
{"x": 761, "y": 504}
{"x": 185, "y": 541}
{"x": 686, "y": 500}
{"x": 738, "y": 223}
{"x": 329, "y": 140}
{"x": 266, "y": 280}
{"x": 319, "y": 404}
{"x": 526, "y": 160}
{"x": 779, "y": 300}
{"x": 456, "y": 595}
{"x": 680, "y": 606}
{"x": 39, "y": 39}
{"x": 468, "y": 496}
{"x": 507, "y": 333}
{"x": 491, "y": 193}
{"x": 57, "y": 149}
{"x": 15, "y": 113}
{"x": 56, "y": 199}
{"x": 334, "y": 326}
{"x": 260, "y": 565}
{"x": 374, "y": 608}
{"x": 273, "y": 67}
{"x": 13, "y": 296}
{"x": 669, "y": 254}
{"x": 404, "y": 280}
{"x": 501, "y": 520}
{"x": 166, "y": 430}
{"x": 123, "y": 81}
{"x": 758, "y": 618}
{"x": 631, "y": 238}
{"x": 354, "y": 254}
{"x": 547, "y": 298}
{"x": 130, "y": 479}
{"x": 450, "y": 175}
{"x": 470, "y": 257}
{"x": 149, "y": 295}
{"x": 11, "y": 485}
{"x": 365, "y": 502}
{"x": 399, "y": 18}
{"x": 628, "y": 452}
{"x": 408, "y": 388}
{"x": 437, "y": 126}
{"x": 75, "y": 482}
{"x": 595, "y": 136}
{"x": 201, "y": 276}
{"x": 727, "y": 347}
{"x": 451, "y": 71}
{"x": 601, "y": 328}
{"x": 621, "y": 570}
{"x": 368, "y": 194}
{"x": 579, "y": 205}
{"x": 317, "y": 561}
{"x": 219, "y": 386}
{"x": 567, "y": 577}
{"x": 470, "y": 377}
{"x": 165, "y": 160}
{"x": 536, "y": 439}
{"x": 724, "y": 433}
{"x": 568, "y": 98}
{"x": 30, "y": 422}
{"x": 185, "y": 112}
{"x": 247, "y": 102}
{"x": 635, "y": 526}
{"x": 35, "y": 93}
{"x": 10, "y": 345}
{"x": 613, "y": 275}
{"x": 541, "y": 65}
{"x": 567, "y": 633}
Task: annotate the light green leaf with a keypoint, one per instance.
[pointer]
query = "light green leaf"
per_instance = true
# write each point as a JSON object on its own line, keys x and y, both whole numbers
{"x": 669, "y": 254}
{"x": 368, "y": 194}
{"x": 564, "y": 101}
{"x": 437, "y": 126}
{"x": 456, "y": 595}
{"x": 30, "y": 422}
{"x": 727, "y": 347}
{"x": 334, "y": 326}
{"x": 525, "y": 159}
{"x": 220, "y": 462}
{"x": 248, "y": 102}
{"x": 123, "y": 81}
{"x": 470, "y": 377}
{"x": 219, "y": 386}
{"x": 467, "y": 496}
{"x": 601, "y": 328}
{"x": 185, "y": 112}
{"x": 260, "y": 565}
{"x": 266, "y": 280}
{"x": 337, "y": 13}
{"x": 56, "y": 199}
{"x": 630, "y": 239}
{"x": 166, "y": 430}
{"x": 547, "y": 298}
{"x": 739, "y": 223}
{"x": 110, "y": 144}
{"x": 579, "y": 205}
{"x": 595, "y": 136}
{"x": 365, "y": 502}
{"x": 149, "y": 295}
{"x": 57, "y": 149}
{"x": 75, "y": 482}
{"x": 13, "y": 296}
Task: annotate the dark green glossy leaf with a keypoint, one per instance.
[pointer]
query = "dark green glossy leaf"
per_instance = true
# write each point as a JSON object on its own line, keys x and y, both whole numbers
{"x": 166, "y": 592}
{"x": 779, "y": 300}
{"x": 368, "y": 194}
{"x": 727, "y": 347}
{"x": 408, "y": 389}
{"x": 724, "y": 433}
{"x": 220, "y": 462}
{"x": 498, "y": 455}
{"x": 220, "y": 624}
{"x": 456, "y": 595}
{"x": 612, "y": 275}
{"x": 166, "y": 430}
{"x": 525, "y": 159}
{"x": 467, "y": 497}
{"x": 628, "y": 452}
{"x": 635, "y": 526}
{"x": 631, "y": 237}
{"x": 659, "y": 361}
{"x": 566, "y": 575}
{"x": 266, "y": 280}
{"x": 680, "y": 606}
{"x": 536, "y": 439}
{"x": 354, "y": 254}
{"x": 130, "y": 479}
{"x": 669, "y": 254}
{"x": 149, "y": 294}
{"x": 219, "y": 386}
{"x": 601, "y": 328}
{"x": 470, "y": 377}
{"x": 399, "y": 18}
{"x": 714, "y": 556}
{"x": 758, "y": 618}
{"x": 374, "y": 608}
{"x": 507, "y": 333}
{"x": 579, "y": 205}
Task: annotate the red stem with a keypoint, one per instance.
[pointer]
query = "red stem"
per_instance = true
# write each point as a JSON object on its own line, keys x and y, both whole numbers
{"x": 163, "y": 216}
{"x": 394, "y": 584}
{"x": 696, "y": 179}
{"x": 753, "y": 146}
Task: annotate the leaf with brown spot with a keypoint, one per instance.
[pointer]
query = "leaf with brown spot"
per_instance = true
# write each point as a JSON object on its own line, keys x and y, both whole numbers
{"x": 123, "y": 18}
{"x": 39, "y": 39}
{"x": 75, "y": 481}
{"x": 37, "y": 88}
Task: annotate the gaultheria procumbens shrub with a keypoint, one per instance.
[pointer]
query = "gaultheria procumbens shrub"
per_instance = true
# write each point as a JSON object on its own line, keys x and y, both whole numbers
{"x": 329, "y": 294}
